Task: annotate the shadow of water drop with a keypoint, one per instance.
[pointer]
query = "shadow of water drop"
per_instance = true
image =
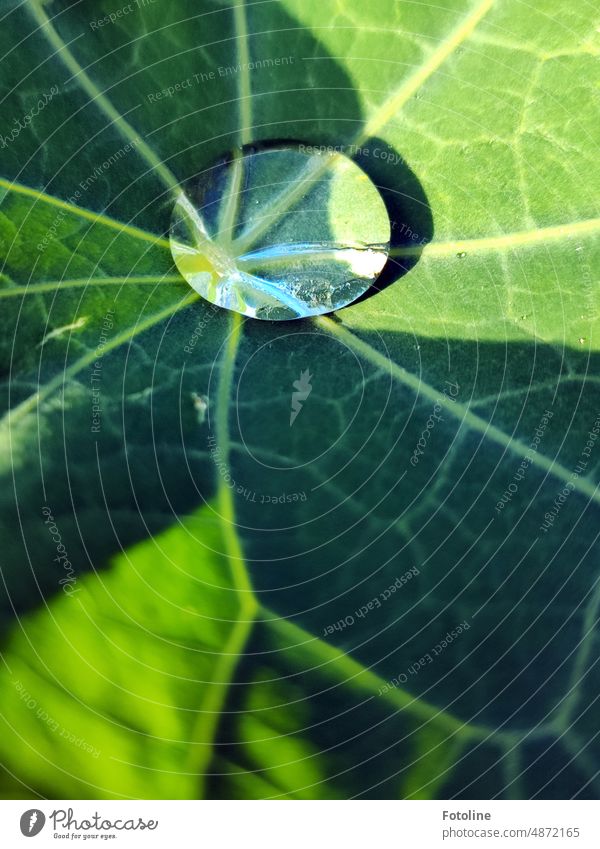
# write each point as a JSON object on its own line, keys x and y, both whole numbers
{"x": 411, "y": 218}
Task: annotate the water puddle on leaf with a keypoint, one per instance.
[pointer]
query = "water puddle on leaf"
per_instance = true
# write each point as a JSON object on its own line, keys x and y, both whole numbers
{"x": 281, "y": 233}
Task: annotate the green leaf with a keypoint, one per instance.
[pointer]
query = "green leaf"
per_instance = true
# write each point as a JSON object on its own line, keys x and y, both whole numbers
{"x": 451, "y": 428}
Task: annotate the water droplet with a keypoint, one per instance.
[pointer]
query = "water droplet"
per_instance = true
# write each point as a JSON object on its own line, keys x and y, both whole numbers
{"x": 461, "y": 254}
{"x": 281, "y": 233}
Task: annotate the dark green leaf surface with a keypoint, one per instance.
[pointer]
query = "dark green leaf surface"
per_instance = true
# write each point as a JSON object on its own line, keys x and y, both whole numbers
{"x": 204, "y": 660}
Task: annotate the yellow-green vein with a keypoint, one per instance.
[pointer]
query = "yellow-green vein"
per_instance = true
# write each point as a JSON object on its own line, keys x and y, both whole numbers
{"x": 409, "y": 87}
{"x": 323, "y": 658}
{"x": 231, "y": 200}
{"x": 215, "y": 693}
{"x": 85, "y": 282}
{"x": 94, "y": 217}
{"x": 506, "y": 241}
{"x": 244, "y": 92}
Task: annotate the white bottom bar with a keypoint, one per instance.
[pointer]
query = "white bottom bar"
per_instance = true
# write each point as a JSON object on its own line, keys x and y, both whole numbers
{"x": 298, "y": 825}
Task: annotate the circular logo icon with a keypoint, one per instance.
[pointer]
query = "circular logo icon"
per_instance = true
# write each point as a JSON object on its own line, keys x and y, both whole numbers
{"x": 32, "y": 822}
